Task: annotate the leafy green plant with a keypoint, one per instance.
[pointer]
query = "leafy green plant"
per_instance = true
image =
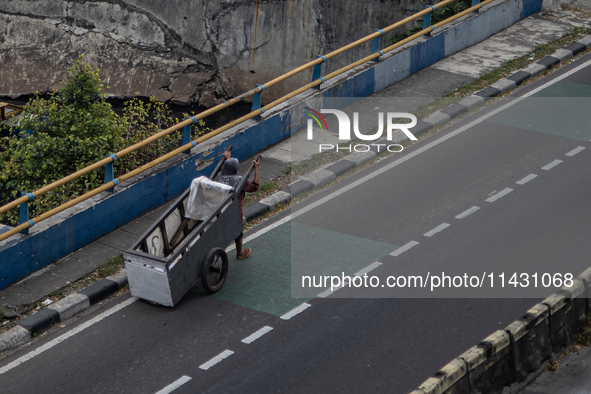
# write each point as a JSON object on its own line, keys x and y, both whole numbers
{"x": 55, "y": 137}
{"x": 73, "y": 128}
{"x": 144, "y": 118}
{"x": 437, "y": 16}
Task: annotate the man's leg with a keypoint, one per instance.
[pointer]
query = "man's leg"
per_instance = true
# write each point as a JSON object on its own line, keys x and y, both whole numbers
{"x": 241, "y": 254}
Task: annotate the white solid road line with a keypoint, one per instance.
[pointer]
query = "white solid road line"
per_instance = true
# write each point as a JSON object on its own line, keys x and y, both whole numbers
{"x": 575, "y": 151}
{"x": 67, "y": 335}
{"x": 295, "y": 311}
{"x": 526, "y": 179}
{"x": 412, "y": 155}
{"x": 467, "y": 212}
{"x": 500, "y": 194}
{"x": 175, "y": 385}
{"x": 437, "y": 229}
{"x": 551, "y": 165}
{"x": 404, "y": 248}
{"x": 216, "y": 359}
{"x": 253, "y": 337}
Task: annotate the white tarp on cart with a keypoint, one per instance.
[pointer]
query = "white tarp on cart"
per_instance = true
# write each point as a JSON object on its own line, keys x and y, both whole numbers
{"x": 205, "y": 197}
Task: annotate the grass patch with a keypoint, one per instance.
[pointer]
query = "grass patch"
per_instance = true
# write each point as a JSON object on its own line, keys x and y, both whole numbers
{"x": 266, "y": 186}
{"x": 111, "y": 267}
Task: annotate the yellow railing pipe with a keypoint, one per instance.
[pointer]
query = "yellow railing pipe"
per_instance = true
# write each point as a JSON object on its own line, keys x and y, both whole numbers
{"x": 224, "y": 105}
{"x": 212, "y": 110}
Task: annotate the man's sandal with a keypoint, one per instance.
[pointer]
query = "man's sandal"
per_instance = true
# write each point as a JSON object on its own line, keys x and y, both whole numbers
{"x": 245, "y": 253}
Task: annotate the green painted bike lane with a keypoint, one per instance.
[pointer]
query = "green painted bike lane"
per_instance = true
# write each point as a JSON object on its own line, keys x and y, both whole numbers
{"x": 562, "y": 109}
{"x": 283, "y": 255}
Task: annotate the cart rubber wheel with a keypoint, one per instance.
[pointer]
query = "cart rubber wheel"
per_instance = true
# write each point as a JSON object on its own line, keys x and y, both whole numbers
{"x": 214, "y": 270}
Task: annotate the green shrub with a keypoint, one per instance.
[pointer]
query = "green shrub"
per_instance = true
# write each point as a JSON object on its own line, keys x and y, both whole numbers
{"x": 437, "y": 16}
{"x": 142, "y": 119}
{"x": 73, "y": 128}
{"x": 60, "y": 135}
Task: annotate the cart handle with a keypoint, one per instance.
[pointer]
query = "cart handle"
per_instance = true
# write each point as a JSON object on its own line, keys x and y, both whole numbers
{"x": 218, "y": 168}
{"x": 245, "y": 178}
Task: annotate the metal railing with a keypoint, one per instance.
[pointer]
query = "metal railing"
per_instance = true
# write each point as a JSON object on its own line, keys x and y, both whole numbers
{"x": 14, "y": 110}
{"x": 110, "y": 182}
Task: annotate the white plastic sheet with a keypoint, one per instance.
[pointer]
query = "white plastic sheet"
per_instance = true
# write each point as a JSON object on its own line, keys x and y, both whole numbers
{"x": 205, "y": 197}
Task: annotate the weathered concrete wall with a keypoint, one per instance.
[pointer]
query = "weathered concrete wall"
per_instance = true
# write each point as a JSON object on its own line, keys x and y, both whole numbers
{"x": 509, "y": 359}
{"x": 184, "y": 50}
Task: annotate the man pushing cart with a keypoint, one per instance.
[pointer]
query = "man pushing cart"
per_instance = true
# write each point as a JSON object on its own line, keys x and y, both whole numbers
{"x": 188, "y": 241}
{"x": 229, "y": 177}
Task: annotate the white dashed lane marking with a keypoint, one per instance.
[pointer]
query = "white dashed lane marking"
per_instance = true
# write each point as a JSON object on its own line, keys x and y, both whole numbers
{"x": 500, "y": 194}
{"x": 328, "y": 292}
{"x": 361, "y": 272}
{"x": 468, "y": 212}
{"x": 575, "y": 151}
{"x": 295, "y": 311}
{"x": 437, "y": 229}
{"x": 175, "y": 385}
{"x": 216, "y": 359}
{"x": 367, "y": 269}
{"x": 253, "y": 337}
{"x": 403, "y": 248}
{"x": 549, "y": 166}
{"x": 526, "y": 179}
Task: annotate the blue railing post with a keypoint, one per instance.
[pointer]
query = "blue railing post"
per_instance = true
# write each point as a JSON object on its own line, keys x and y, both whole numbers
{"x": 475, "y": 2}
{"x": 427, "y": 19}
{"x": 187, "y": 134}
{"x": 317, "y": 71}
{"x": 256, "y": 101}
{"x": 109, "y": 173}
{"x": 375, "y": 45}
{"x": 23, "y": 213}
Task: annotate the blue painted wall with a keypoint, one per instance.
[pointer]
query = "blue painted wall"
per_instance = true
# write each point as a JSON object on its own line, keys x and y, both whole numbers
{"x": 531, "y": 7}
{"x": 21, "y": 257}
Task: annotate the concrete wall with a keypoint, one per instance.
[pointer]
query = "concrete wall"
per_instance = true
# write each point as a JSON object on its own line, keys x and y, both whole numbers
{"x": 183, "y": 50}
{"x": 507, "y": 360}
{"x": 76, "y": 227}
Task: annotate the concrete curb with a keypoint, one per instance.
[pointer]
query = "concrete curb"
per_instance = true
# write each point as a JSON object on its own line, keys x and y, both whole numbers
{"x": 61, "y": 310}
{"x": 509, "y": 359}
{"x": 505, "y": 84}
{"x": 321, "y": 177}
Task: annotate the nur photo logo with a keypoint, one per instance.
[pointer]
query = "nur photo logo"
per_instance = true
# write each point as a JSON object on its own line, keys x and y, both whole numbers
{"x": 345, "y": 128}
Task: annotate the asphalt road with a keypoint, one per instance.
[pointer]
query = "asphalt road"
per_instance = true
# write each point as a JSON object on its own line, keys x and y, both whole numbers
{"x": 503, "y": 191}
